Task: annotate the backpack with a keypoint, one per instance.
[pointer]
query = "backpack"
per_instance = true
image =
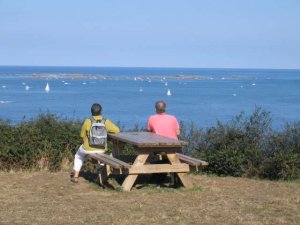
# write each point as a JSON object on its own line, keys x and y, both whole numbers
{"x": 98, "y": 133}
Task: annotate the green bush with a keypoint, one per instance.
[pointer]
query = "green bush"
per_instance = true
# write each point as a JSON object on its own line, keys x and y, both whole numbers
{"x": 246, "y": 146}
{"x": 282, "y": 158}
{"x": 44, "y": 143}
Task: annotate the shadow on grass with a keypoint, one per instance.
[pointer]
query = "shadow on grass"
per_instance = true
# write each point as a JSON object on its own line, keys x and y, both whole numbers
{"x": 146, "y": 182}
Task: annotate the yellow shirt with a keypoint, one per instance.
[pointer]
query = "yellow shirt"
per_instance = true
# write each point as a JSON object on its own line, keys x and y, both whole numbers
{"x": 110, "y": 127}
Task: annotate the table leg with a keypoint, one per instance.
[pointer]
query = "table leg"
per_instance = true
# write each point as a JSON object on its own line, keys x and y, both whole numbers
{"x": 182, "y": 176}
{"x": 130, "y": 179}
{"x": 103, "y": 174}
{"x": 117, "y": 148}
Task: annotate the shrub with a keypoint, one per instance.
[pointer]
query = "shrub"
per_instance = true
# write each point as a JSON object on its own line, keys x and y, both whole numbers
{"x": 221, "y": 149}
{"x": 247, "y": 146}
{"x": 282, "y": 158}
{"x": 44, "y": 143}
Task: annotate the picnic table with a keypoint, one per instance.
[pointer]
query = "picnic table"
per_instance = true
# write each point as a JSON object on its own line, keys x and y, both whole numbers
{"x": 147, "y": 145}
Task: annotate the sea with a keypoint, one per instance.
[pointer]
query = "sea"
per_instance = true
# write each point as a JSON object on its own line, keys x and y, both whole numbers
{"x": 128, "y": 94}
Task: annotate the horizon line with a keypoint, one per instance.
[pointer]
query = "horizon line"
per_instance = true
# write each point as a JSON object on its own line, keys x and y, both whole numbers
{"x": 159, "y": 67}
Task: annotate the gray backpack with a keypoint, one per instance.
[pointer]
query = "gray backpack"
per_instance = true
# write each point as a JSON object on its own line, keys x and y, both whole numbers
{"x": 98, "y": 133}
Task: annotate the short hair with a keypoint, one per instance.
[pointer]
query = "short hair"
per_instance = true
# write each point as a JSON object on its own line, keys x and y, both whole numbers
{"x": 96, "y": 109}
{"x": 160, "y": 106}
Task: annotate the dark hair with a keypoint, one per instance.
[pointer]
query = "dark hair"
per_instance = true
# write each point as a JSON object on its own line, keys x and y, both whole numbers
{"x": 96, "y": 109}
{"x": 160, "y": 106}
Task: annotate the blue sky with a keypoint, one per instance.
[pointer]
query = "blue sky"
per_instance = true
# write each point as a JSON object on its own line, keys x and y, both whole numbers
{"x": 151, "y": 33}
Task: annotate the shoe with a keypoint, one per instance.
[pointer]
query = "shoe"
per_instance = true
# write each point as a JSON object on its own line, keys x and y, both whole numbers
{"x": 74, "y": 180}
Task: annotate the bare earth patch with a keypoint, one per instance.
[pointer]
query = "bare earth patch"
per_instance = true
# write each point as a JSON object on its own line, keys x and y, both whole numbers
{"x": 50, "y": 198}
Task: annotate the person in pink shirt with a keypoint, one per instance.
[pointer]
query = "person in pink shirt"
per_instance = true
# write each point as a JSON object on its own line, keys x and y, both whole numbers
{"x": 163, "y": 124}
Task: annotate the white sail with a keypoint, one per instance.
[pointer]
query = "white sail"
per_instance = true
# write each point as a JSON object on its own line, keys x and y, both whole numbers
{"x": 27, "y": 87}
{"x": 47, "y": 88}
{"x": 169, "y": 92}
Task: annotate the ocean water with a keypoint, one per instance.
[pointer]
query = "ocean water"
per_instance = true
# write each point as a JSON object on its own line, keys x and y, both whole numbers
{"x": 127, "y": 95}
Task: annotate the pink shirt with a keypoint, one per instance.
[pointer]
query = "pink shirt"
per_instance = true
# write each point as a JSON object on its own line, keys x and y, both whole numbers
{"x": 164, "y": 125}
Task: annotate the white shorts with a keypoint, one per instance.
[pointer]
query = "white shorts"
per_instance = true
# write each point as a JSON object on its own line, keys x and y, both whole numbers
{"x": 80, "y": 157}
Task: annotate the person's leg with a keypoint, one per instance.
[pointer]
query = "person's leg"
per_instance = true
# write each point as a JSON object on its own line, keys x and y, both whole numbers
{"x": 78, "y": 161}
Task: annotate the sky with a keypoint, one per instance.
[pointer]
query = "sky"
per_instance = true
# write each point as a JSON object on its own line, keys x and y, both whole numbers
{"x": 151, "y": 33}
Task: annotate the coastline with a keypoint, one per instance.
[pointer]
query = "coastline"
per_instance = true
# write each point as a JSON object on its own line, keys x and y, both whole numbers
{"x": 122, "y": 77}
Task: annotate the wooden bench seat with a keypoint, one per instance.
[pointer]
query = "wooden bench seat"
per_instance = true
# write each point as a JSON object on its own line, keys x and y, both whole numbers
{"x": 111, "y": 163}
{"x": 109, "y": 160}
{"x": 192, "y": 161}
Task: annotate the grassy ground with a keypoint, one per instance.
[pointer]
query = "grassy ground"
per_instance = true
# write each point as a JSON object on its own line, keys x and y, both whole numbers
{"x": 49, "y": 198}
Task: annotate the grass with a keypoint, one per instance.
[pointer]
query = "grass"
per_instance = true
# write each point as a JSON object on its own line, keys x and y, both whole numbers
{"x": 50, "y": 198}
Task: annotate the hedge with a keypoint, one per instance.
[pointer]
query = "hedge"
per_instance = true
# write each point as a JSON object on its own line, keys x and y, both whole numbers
{"x": 246, "y": 146}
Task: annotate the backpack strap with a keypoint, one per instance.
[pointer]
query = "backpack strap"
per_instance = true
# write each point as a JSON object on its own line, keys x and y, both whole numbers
{"x": 93, "y": 120}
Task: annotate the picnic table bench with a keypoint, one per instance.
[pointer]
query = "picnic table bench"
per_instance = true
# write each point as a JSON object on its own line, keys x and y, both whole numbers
{"x": 146, "y": 145}
{"x": 197, "y": 163}
{"x": 113, "y": 162}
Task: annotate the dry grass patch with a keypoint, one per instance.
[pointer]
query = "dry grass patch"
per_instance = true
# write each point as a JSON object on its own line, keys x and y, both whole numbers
{"x": 50, "y": 198}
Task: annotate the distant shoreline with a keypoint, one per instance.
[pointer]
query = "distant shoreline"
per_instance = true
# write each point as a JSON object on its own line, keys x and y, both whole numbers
{"x": 122, "y": 77}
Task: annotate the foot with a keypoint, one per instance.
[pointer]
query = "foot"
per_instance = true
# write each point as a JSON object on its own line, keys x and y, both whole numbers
{"x": 74, "y": 179}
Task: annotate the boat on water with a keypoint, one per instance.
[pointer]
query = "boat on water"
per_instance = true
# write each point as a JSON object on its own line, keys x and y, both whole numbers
{"x": 47, "y": 88}
{"x": 27, "y": 87}
{"x": 169, "y": 92}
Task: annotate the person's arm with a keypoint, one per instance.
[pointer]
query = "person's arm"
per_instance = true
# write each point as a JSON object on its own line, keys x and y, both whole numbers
{"x": 177, "y": 127}
{"x": 149, "y": 128}
{"x": 83, "y": 132}
{"x": 111, "y": 127}
{"x": 178, "y": 132}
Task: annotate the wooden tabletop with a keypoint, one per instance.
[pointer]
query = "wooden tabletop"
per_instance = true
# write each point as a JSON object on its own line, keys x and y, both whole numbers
{"x": 146, "y": 139}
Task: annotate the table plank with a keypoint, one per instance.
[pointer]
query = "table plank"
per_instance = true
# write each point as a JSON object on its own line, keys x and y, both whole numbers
{"x": 147, "y": 139}
{"x": 159, "y": 168}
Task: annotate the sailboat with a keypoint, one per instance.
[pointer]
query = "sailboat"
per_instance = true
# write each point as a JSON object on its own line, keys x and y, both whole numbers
{"x": 27, "y": 87}
{"x": 169, "y": 92}
{"x": 47, "y": 88}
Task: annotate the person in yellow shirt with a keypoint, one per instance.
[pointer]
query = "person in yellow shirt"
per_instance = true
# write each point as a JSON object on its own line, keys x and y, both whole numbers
{"x": 85, "y": 148}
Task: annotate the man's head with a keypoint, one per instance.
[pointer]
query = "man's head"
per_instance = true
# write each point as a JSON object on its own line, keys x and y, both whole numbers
{"x": 160, "y": 106}
{"x": 96, "y": 109}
